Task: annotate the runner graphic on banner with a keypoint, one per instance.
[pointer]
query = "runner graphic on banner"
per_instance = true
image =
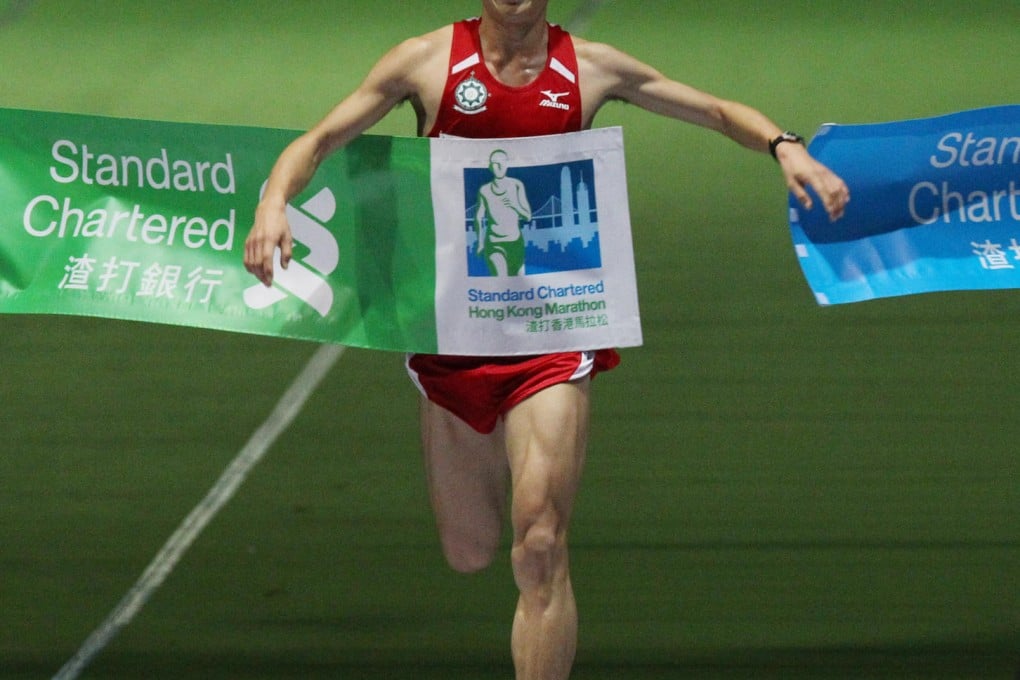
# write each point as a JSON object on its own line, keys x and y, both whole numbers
{"x": 506, "y": 236}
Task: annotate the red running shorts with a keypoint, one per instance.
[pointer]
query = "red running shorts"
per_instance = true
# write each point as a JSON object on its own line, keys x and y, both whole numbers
{"x": 480, "y": 390}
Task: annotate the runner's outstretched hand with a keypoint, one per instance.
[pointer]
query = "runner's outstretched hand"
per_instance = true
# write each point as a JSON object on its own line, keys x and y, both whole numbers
{"x": 801, "y": 171}
{"x": 271, "y": 231}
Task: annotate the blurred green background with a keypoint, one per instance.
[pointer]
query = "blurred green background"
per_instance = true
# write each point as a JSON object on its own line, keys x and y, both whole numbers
{"x": 774, "y": 490}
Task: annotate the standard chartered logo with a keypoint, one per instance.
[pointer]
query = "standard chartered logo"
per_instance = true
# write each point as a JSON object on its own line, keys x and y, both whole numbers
{"x": 304, "y": 279}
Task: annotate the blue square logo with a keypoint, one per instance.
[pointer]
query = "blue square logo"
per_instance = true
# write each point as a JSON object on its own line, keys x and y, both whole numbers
{"x": 530, "y": 220}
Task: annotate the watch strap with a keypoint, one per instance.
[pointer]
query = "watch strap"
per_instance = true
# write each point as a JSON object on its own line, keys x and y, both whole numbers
{"x": 784, "y": 137}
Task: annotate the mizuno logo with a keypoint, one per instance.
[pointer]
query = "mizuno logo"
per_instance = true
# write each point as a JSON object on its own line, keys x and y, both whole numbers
{"x": 552, "y": 100}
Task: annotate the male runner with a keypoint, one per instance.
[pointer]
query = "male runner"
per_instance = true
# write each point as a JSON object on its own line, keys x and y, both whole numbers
{"x": 502, "y": 206}
{"x": 487, "y": 423}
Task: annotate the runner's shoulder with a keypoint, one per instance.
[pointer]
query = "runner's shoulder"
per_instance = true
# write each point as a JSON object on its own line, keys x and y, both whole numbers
{"x": 426, "y": 48}
{"x": 598, "y": 56}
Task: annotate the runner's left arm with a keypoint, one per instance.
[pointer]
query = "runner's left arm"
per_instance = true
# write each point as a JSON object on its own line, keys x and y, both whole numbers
{"x": 609, "y": 74}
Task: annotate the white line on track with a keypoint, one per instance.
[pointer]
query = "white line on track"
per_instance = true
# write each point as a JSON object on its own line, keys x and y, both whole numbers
{"x": 282, "y": 416}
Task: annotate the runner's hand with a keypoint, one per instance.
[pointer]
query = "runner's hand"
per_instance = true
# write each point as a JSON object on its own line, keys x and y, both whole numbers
{"x": 802, "y": 171}
{"x": 271, "y": 231}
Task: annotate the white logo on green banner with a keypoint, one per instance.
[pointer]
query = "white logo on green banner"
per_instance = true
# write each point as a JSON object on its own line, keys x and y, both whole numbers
{"x": 305, "y": 278}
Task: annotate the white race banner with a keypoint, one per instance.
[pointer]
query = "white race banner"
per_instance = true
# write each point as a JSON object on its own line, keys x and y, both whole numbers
{"x": 533, "y": 244}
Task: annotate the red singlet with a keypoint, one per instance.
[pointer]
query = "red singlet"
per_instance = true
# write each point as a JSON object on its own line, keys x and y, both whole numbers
{"x": 477, "y": 105}
{"x": 481, "y": 389}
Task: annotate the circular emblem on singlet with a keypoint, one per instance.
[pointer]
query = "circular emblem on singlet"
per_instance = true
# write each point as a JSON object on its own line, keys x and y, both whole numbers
{"x": 471, "y": 95}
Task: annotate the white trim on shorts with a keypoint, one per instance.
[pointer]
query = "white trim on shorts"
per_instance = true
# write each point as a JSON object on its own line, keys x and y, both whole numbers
{"x": 413, "y": 374}
{"x": 584, "y": 368}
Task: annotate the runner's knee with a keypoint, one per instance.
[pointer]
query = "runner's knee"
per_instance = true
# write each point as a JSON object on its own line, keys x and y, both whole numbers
{"x": 468, "y": 555}
{"x": 536, "y": 552}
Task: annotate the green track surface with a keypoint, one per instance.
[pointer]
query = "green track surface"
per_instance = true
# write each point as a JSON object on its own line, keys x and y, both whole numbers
{"x": 774, "y": 490}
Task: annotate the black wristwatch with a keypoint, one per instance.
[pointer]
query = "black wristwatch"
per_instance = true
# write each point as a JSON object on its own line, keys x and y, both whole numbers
{"x": 785, "y": 137}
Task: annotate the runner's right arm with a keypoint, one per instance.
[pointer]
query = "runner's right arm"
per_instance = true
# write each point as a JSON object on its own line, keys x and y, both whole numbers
{"x": 397, "y": 77}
